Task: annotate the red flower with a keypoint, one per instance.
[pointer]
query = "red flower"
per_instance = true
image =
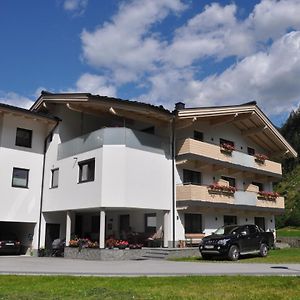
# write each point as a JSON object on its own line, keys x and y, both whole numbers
{"x": 261, "y": 157}
{"x": 227, "y": 147}
{"x": 222, "y": 188}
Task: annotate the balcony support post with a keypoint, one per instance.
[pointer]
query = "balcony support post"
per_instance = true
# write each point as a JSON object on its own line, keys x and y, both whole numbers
{"x": 68, "y": 227}
{"x": 102, "y": 230}
{"x": 166, "y": 228}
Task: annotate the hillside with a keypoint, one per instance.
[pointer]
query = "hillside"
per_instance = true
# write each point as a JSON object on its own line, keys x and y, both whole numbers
{"x": 289, "y": 187}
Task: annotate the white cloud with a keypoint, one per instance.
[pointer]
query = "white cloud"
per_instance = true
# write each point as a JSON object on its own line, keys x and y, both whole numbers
{"x": 271, "y": 19}
{"x": 126, "y": 45}
{"x": 266, "y": 55}
{"x": 95, "y": 84}
{"x": 77, "y": 7}
{"x": 15, "y": 99}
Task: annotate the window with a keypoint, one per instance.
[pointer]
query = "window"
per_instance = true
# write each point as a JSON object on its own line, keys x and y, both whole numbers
{"x": 191, "y": 177}
{"x": 54, "y": 180}
{"x": 251, "y": 151}
{"x": 193, "y": 223}
{"x": 23, "y": 137}
{"x": 198, "y": 136}
{"x": 223, "y": 141}
{"x": 20, "y": 177}
{"x": 86, "y": 170}
{"x": 230, "y": 180}
{"x": 230, "y": 220}
{"x": 259, "y": 184}
{"x": 150, "y": 223}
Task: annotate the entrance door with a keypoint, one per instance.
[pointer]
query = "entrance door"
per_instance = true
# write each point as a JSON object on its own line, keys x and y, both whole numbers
{"x": 52, "y": 233}
{"x": 123, "y": 226}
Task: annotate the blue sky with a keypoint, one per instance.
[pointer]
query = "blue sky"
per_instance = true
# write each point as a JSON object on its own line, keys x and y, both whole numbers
{"x": 159, "y": 51}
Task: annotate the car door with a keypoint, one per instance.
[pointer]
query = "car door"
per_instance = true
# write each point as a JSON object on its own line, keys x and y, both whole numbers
{"x": 254, "y": 241}
{"x": 243, "y": 236}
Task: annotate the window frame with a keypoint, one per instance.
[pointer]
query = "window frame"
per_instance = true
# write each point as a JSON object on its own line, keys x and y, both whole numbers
{"x": 198, "y": 136}
{"x": 27, "y": 178}
{"x": 229, "y": 179}
{"x": 17, "y": 141}
{"x": 224, "y": 141}
{"x": 191, "y": 173}
{"x": 86, "y": 162}
{"x": 150, "y": 229}
{"x": 52, "y": 172}
{"x": 251, "y": 151}
{"x": 192, "y": 223}
{"x": 260, "y": 185}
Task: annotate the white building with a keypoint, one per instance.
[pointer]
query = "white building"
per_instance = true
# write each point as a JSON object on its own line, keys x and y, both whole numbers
{"x": 111, "y": 165}
{"x": 22, "y": 138}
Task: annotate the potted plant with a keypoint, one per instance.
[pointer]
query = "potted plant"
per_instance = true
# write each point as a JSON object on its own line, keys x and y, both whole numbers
{"x": 226, "y": 189}
{"x": 268, "y": 195}
{"x": 260, "y": 158}
{"x": 122, "y": 244}
{"x": 226, "y": 148}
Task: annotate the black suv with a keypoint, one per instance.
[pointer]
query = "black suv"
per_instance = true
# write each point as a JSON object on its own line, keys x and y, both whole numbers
{"x": 231, "y": 241}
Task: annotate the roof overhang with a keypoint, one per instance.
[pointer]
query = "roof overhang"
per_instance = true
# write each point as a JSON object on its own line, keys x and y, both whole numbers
{"x": 27, "y": 114}
{"x": 248, "y": 118}
{"x": 94, "y": 104}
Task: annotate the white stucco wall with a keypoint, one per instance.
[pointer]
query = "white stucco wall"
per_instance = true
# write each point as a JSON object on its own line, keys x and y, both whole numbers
{"x": 21, "y": 204}
{"x": 135, "y": 178}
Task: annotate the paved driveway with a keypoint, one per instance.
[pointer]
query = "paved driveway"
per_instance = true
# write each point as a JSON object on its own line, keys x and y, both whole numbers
{"x": 63, "y": 266}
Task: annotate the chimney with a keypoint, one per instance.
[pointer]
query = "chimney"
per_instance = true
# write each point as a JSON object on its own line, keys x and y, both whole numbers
{"x": 179, "y": 105}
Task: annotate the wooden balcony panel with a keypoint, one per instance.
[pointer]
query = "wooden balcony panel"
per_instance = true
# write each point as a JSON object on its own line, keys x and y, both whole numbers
{"x": 277, "y": 203}
{"x": 203, "y": 194}
{"x": 236, "y": 159}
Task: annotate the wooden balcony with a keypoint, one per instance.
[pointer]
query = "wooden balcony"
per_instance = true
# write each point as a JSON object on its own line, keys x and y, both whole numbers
{"x": 202, "y": 193}
{"x": 199, "y": 193}
{"x": 210, "y": 153}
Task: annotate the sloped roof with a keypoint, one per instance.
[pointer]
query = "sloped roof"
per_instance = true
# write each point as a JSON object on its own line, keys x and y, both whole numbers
{"x": 247, "y": 117}
{"x": 24, "y": 111}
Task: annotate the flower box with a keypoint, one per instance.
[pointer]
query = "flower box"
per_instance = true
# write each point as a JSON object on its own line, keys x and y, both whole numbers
{"x": 226, "y": 148}
{"x": 260, "y": 158}
{"x": 221, "y": 189}
{"x": 270, "y": 196}
{"x": 121, "y": 244}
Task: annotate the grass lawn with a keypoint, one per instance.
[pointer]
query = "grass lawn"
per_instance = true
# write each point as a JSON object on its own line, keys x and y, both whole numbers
{"x": 192, "y": 287}
{"x": 288, "y": 232}
{"x": 289, "y": 255}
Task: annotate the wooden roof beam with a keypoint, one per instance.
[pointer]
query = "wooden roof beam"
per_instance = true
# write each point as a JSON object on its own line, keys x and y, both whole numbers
{"x": 231, "y": 118}
{"x": 254, "y": 130}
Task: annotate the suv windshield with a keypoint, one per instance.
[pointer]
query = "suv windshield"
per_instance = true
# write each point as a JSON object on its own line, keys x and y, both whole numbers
{"x": 230, "y": 229}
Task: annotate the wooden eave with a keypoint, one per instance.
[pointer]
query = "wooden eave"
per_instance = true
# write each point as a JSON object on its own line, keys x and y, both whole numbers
{"x": 96, "y": 105}
{"x": 250, "y": 120}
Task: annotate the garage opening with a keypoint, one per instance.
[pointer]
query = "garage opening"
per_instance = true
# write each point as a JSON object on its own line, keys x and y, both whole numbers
{"x": 23, "y": 231}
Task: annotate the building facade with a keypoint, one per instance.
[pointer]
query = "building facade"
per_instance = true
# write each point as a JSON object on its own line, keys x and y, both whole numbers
{"x": 104, "y": 166}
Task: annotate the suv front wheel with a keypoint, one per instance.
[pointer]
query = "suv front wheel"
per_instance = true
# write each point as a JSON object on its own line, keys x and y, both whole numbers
{"x": 234, "y": 253}
{"x": 263, "y": 250}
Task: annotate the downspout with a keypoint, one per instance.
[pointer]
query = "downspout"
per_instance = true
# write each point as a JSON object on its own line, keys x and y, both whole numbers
{"x": 43, "y": 178}
{"x": 173, "y": 180}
